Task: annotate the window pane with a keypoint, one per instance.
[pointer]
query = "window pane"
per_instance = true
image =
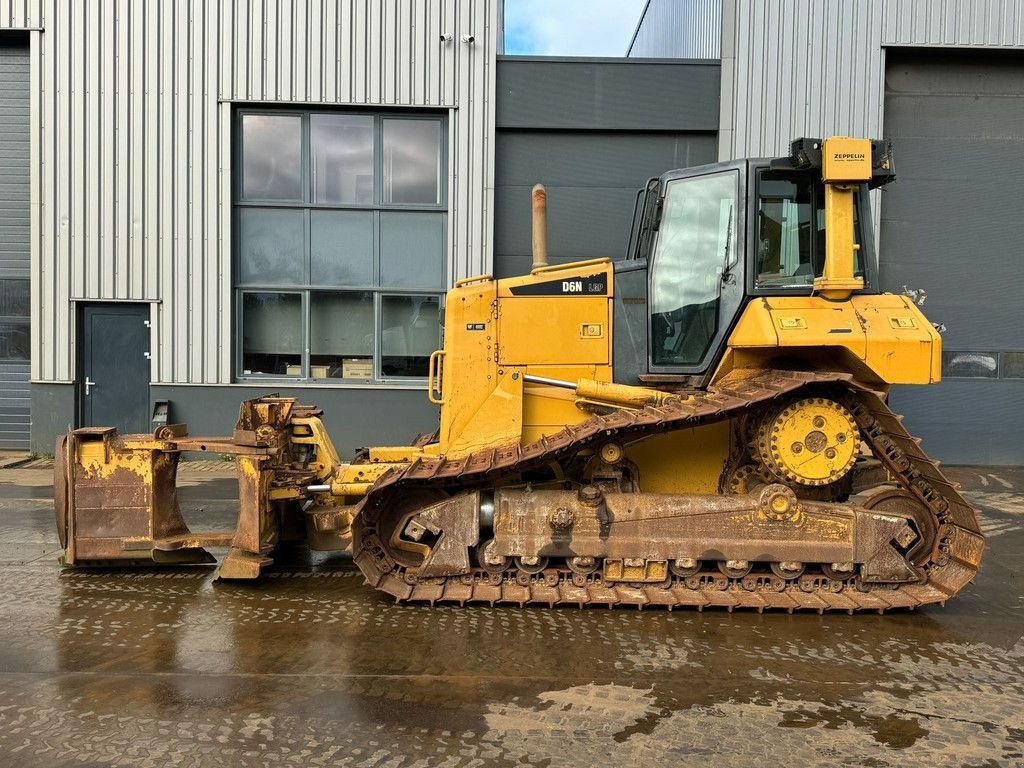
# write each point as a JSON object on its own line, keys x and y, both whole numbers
{"x": 791, "y": 231}
{"x": 14, "y": 298}
{"x": 784, "y": 232}
{"x": 970, "y": 364}
{"x": 272, "y": 157}
{"x": 412, "y": 161}
{"x": 271, "y": 247}
{"x": 1013, "y": 365}
{"x": 412, "y": 250}
{"x": 410, "y": 332}
{"x": 696, "y": 239}
{"x": 342, "y": 158}
{"x": 341, "y": 245}
{"x": 341, "y": 335}
{"x": 14, "y": 340}
{"x": 272, "y": 334}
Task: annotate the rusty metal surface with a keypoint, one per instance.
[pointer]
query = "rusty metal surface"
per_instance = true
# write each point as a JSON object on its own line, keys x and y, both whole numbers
{"x": 958, "y": 541}
{"x": 116, "y": 497}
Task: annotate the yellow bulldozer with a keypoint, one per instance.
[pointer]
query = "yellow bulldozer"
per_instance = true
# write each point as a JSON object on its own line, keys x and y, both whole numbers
{"x": 703, "y": 423}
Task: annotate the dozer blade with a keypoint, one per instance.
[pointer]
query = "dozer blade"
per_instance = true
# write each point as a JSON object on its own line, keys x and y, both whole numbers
{"x": 116, "y": 500}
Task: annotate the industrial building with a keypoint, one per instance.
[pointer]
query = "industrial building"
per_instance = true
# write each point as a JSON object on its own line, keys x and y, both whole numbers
{"x": 206, "y": 202}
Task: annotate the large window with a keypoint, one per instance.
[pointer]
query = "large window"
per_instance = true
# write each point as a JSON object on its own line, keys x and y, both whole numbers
{"x": 340, "y": 227}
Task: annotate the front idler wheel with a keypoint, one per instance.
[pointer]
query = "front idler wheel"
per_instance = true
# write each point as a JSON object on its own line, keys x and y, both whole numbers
{"x": 488, "y": 559}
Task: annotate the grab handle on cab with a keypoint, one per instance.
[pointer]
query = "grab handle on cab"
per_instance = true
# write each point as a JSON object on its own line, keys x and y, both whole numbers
{"x": 434, "y": 372}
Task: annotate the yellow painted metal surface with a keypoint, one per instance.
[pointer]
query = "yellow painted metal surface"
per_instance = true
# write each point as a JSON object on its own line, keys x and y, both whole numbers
{"x": 813, "y": 441}
{"x": 845, "y": 159}
{"x": 551, "y": 323}
{"x": 887, "y": 334}
{"x": 846, "y": 163}
{"x": 687, "y": 461}
{"x": 552, "y": 330}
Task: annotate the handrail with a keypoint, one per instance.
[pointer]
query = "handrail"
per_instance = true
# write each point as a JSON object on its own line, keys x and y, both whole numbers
{"x": 435, "y": 369}
{"x": 570, "y": 265}
{"x": 474, "y": 279}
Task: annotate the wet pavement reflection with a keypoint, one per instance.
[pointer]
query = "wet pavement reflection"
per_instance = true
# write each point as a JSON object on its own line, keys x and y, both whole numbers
{"x": 309, "y": 666}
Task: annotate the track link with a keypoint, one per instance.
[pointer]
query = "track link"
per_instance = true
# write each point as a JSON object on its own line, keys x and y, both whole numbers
{"x": 953, "y": 563}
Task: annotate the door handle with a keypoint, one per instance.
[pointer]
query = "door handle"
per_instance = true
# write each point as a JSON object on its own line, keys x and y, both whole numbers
{"x": 88, "y": 383}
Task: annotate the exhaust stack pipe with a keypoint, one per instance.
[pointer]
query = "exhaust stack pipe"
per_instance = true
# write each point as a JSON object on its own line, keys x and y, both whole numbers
{"x": 540, "y": 226}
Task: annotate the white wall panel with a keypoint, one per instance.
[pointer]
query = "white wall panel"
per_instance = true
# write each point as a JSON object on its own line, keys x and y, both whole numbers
{"x": 20, "y": 14}
{"x": 683, "y": 29}
{"x": 133, "y": 147}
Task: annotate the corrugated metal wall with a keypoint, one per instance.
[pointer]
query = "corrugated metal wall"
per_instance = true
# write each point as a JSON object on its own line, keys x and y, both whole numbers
{"x": 807, "y": 68}
{"x": 14, "y": 240}
{"x": 20, "y": 14}
{"x": 133, "y": 143}
{"x": 680, "y": 29}
{"x": 593, "y": 132}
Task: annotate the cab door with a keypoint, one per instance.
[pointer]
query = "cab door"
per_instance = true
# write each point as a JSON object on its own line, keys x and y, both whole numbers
{"x": 695, "y": 282}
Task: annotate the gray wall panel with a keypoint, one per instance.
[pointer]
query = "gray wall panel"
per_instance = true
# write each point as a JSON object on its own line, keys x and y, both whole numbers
{"x": 53, "y": 409}
{"x": 607, "y": 94}
{"x": 555, "y": 126}
{"x": 951, "y": 225}
{"x": 588, "y": 159}
{"x": 15, "y": 167}
{"x": 583, "y": 223}
{"x": 591, "y": 181}
{"x": 354, "y": 418}
{"x": 15, "y": 406}
{"x": 987, "y": 432}
{"x": 15, "y": 229}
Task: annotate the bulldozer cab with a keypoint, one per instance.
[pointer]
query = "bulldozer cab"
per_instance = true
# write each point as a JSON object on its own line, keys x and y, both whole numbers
{"x": 707, "y": 240}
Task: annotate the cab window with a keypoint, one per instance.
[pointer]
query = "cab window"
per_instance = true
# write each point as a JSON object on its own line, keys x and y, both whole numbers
{"x": 696, "y": 245}
{"x": 791, "y": 230}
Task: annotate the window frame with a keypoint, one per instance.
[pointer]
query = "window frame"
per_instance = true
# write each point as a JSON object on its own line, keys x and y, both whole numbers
{"x": 306, "y": 288}
{"x": 23, "y": 321}
{"x": 731, "y": 298}
{"x": 866, "y": 240}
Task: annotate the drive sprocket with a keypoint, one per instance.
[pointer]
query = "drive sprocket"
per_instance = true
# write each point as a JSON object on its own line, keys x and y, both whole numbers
{"x": 812, "y": 441}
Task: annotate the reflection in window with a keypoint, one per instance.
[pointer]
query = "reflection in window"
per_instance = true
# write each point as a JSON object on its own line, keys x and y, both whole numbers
{"x": 341, "y": 335}
{"x": 272, "y": 334}
{"x": 983, "y": 365}
{"x": 409, "y": 244}
{"x": 341, "y": 158}
{"x": 410, "y": 332}
{"x": 14, "y": 297}
{"x": 14, "y": 339}
{"x": 696, "y": 243}
{"x": 272, "y": 157}
{"x": 336, "y": 212}
{"x": 271, "y": 246}
{"x": 412, "y": 161}
{"x": 791, "y": 230}
{"x": 341, "y": 247}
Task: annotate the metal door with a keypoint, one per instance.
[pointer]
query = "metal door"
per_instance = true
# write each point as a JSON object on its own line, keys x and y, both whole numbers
{"x": 114, "y": 382}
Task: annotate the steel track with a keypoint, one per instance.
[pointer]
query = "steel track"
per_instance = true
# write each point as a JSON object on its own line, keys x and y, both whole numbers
{"x": 953, "y": 563}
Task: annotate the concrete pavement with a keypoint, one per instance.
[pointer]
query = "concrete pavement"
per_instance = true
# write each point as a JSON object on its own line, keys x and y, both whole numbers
{"x": 310, "y": 667}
